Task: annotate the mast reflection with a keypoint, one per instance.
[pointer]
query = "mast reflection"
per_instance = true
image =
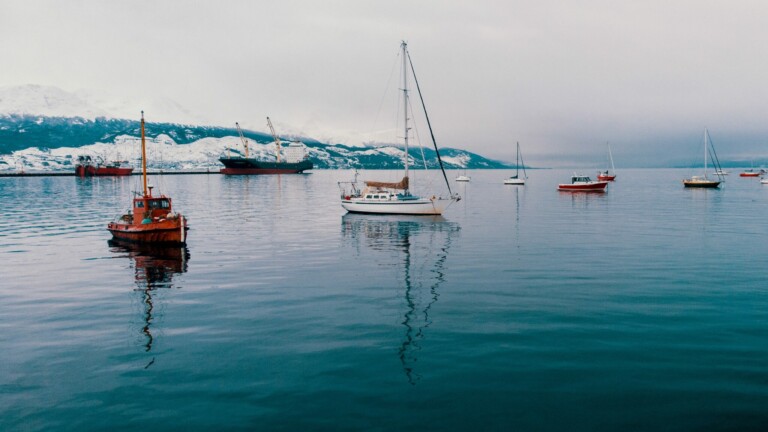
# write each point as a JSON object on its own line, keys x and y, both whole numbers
{"x": 154, "y": 267}
{"x": 422, "y": 244}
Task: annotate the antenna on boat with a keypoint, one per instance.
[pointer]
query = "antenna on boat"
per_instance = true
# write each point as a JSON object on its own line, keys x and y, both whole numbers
{"x": 143, "y": 154}
{"x": 429, "y": 124}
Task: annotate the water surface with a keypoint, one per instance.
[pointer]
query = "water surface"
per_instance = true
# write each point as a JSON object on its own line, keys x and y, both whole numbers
{"x": 522, "y": 308}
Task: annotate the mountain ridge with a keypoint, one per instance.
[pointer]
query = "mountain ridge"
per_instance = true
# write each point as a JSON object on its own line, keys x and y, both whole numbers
{"x": 38, "y": 142}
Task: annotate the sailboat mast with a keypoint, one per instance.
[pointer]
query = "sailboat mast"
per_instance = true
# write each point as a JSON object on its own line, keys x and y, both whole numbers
{"x": 517, "y": 161}
{"x": 404, "y": 46}
{"x": 610, "y": 156}
{"x": 705, "y": 152}
{"x": 143, "y": 155}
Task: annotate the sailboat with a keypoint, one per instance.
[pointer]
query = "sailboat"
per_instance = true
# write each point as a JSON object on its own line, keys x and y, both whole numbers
{"x": 751, "y": 171}
{"x": 463, "y": 177}
{"x": 396, "y": 197}
{"x": 515, "y": 179}
{"x": 608, "y": 175}
{"x": 703, "y": 181}
{"x": 152, "y": 219}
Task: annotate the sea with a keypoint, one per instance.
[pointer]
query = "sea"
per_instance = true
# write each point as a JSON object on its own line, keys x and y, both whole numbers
{"x": 521, "y": 308}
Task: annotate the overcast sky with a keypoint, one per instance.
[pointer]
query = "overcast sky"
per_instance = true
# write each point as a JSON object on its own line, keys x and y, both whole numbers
{"x": 561, "y": 77}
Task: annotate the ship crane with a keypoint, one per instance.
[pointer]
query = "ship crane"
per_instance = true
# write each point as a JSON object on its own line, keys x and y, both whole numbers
{"x": 277, "y": 139}
{"x": 242, "y": 138}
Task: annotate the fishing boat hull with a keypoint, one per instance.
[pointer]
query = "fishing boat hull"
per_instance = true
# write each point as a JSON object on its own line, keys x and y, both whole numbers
{"x": 421, "y": 206}
{"x": 167, "y": 232}
{"x": 92, "y": 171}
{"x": 243, "y": 166}
{"x": 749, "y": 174}
{"x": 598, "y": 186}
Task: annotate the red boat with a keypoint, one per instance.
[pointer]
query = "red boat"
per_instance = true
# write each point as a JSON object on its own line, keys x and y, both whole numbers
{"x": 604, "y": 176}
{"x": 608, "y": 175}
{"x": 750, "y": 173}
{"x": 583, "y": 184}
{"x": 87, "y": 168}
{"x": 151, "y": 219}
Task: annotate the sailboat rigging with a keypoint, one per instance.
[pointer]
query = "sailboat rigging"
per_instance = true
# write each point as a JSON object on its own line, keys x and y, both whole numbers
{"x": 396, "y": 197}
{"x": 515, "y": 179}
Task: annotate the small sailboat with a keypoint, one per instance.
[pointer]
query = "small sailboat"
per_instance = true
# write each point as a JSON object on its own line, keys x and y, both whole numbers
{"x": 703, "y": 181}
{"x": 396, "y": 197}
{"x": 151, "y": 219}
{"x": 515, "y": 179}
{"x": 463, "y": 177}
{"x": 751, "y": 171}
{"x": 608, "y": 174}
{"x": 581, "y": 183}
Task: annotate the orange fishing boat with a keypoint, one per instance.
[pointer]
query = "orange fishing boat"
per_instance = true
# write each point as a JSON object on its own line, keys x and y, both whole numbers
{"x": 151, "y": 218}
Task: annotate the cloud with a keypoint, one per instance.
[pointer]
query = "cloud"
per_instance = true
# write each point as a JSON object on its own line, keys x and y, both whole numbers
{"x": 561, "y": 77}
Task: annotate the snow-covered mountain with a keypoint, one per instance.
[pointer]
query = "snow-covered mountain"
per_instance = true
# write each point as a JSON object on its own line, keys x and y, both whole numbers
{"x": 46, "y": 128}
{"x": 47, "y": 101}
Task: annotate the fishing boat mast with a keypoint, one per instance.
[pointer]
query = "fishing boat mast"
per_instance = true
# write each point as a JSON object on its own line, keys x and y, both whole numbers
{"x": 276, "y": 138}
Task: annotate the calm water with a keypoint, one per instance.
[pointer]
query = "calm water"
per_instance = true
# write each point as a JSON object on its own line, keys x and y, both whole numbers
{"x": 522, "y": 309}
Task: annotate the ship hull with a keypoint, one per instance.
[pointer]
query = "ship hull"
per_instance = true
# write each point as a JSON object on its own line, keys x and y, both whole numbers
{"x": 583, "y": 187}
{"x": 91, "y": 171}
{"x": 701, "y": 184}
{"x": 426, "y": 207}
{"x": 164, "y": 233}
{"x": 243, "y": 166}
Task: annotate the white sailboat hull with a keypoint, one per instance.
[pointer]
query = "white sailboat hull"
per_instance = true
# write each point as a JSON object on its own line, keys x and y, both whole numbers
{"x": 514, "y": 181}
{"x": 420, "y": 206}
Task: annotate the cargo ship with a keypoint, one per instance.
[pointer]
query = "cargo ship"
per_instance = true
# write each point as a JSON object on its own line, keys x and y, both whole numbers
{"x": 294, "y": 161}
{"x": 87, "y": 167}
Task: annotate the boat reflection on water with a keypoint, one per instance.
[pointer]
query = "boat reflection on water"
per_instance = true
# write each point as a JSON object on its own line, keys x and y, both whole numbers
{"x": 154, "y": 268}
{"x": 422, "y": 244}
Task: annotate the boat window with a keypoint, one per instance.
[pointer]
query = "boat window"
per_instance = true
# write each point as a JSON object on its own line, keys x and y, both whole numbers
{"x": 375, "y": 197}
{"x": 367, "y": 197}
{"x": 139, "y": 203}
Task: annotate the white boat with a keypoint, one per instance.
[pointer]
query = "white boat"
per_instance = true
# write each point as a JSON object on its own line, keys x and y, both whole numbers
{"x": 395, "y": 197}
{"x": 463, "y": 178}
{"x": 764, "y": 180}
{"x": 703, "y": 181}
{"x": 515, "y": 179}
